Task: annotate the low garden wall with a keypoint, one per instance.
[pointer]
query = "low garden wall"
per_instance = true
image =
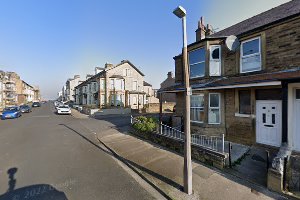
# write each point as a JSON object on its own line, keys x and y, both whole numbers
{"x": 293, "y": 174}
{"x": 199, "y": 153}
{"x": 154, "y": 107}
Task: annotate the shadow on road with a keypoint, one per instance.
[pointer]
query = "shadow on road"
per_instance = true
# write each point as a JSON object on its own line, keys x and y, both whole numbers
{"x": 32, "y": 192}
{"x": 131, "y": 165}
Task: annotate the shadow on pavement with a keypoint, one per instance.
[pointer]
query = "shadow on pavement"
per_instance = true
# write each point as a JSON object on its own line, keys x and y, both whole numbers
{"x": 131, "y": 165}
{"x": 121, "y": 123}
{"x": 32, "y": 192}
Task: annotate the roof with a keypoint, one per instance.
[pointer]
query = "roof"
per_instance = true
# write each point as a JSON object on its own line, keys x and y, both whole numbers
{"x": 272, "y": 16}
{"x": 147, "y": 84}
{"x": 239, "y": 80}
{"x": 100, "y": 74}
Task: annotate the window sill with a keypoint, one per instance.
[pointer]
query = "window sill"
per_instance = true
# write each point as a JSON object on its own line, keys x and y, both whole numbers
{"x": 245, "y": 72}
{"x": 195, "y": 77}
{"x": 243, "y": 115}
{"x": 214, "y": 123}
{"x": 197, "y": 122}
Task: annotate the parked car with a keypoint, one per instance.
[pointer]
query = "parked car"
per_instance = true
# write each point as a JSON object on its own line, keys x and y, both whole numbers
{"x": 59, "y": 104}
{"x": 63, "y": 109}
{"x": 25, "y": 109}
{"x": 36, "y": 104}
{"x": 11, "y": 113}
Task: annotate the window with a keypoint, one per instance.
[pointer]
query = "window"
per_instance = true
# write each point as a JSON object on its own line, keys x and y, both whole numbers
{"x": 197, "y": 63}
{"x": 250, "y": 55}
{"x": 102, "y": 84}
{"x": 102, "y": 99}
{"x": 215, "y": 60}
{"x": 197, "y": 108}
{"x": 128, "y": 72}
{"x": 245, "y": 102}
{"x": 134, "y": 85}
{"x": 298, "y": 94}
{"x": 119, "y": 84}
{"x": 214, "y": 108}
{"x": 112, "y": 84}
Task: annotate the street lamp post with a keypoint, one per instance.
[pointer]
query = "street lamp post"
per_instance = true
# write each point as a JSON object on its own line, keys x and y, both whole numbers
{"x": 188, "y": 188}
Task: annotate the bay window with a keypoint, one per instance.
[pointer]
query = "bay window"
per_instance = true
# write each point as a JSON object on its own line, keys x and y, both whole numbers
{"x": 197, "y": 63}
{"x": 250, "y": 55}
{"x": 214, "y": 116}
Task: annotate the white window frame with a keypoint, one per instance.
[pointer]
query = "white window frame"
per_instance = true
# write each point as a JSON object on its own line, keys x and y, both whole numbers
{"x": 216, "y": 60}
{"x": 200, "y": 122}
{"x": 241, "y": 55}
{"x": 197, "y": 63}
{"x": 210, "y": 108}
{"x": 112, "y": 84}
{"x": 134, "y": 88}
{"x": 127, "y": 72}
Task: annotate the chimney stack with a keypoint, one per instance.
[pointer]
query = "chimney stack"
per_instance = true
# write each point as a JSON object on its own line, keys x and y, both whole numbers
{"x": 98, "y": 70}
{"x": 108, "y": 65}
{"x": 209, "y": 30}
{"x": 170, "y": 75}
{"x": 200, "y": 32}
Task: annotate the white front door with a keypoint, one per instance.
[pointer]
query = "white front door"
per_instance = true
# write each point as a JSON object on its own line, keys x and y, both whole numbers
{"x": 296, "y": 136}
{"x": 268, "y": 122}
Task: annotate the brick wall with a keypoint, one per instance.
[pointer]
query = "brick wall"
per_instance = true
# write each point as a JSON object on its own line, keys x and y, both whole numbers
{"x": 282, "y": 46}
{"x": 238, "y": 129}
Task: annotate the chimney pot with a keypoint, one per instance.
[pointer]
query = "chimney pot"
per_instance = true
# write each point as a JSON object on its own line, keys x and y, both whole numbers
{"x": 200, "y": 32}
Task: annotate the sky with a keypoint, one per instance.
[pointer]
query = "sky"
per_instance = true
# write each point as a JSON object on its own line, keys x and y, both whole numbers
{"x": 48, "y": 41}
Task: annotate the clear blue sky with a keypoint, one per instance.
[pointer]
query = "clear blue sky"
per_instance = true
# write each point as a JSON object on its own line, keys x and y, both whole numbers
{"x": 47, "y": 42}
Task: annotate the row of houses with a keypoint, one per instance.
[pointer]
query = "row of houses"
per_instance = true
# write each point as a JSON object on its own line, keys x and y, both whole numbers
{"x": 15, "y": 91}
{"x": 250, "y": 93}
{"x": 113, "y": 86}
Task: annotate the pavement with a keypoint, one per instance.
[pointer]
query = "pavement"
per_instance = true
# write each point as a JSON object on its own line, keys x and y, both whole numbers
{"x": 48, "y": 156}
{"x": 163, "y": 169}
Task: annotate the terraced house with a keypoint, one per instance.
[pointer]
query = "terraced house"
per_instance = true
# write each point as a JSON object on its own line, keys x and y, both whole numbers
{"x": 250, "y": 93}
{"x": 120, "y": 85}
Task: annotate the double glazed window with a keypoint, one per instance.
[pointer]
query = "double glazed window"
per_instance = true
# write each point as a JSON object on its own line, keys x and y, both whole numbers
{"x": 251, "y": 55}
{"x": 197, "y": 63}
{"x": 214, "y": 108}
{"x": 197, "y": 108}
{"x": 245, "y": 102}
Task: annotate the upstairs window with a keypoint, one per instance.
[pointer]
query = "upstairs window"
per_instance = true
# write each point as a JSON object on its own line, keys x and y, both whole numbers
{"x": 134, "y": 85}
{"x": 215, "y": 60}
{"x": 197, "y": 63}
{"x": 250, "y": 55}
{"x": 102, "y": 84}
{"x": 112, "y": 84}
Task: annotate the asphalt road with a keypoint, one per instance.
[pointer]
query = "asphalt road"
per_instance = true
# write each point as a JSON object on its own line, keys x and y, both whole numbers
{"x": 46, "y": 156}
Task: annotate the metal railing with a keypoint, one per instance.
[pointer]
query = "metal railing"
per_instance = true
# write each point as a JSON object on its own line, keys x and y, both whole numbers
{"x": 215, "y": 143}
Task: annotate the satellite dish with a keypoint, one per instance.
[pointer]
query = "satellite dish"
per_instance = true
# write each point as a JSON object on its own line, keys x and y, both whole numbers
{"x": 232, "y": 43}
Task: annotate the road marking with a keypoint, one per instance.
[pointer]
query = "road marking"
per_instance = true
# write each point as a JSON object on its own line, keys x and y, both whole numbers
{"x": 41, "y": 116}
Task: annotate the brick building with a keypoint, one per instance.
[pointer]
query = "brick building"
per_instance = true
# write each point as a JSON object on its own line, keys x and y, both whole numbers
{"x": 250, "y": 93}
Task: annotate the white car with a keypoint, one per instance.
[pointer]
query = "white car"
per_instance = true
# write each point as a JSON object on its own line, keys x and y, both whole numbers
{"x": 63, "y": 109}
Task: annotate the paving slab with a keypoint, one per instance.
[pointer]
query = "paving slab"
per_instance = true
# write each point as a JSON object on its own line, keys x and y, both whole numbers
{"x": 165, "y": 169}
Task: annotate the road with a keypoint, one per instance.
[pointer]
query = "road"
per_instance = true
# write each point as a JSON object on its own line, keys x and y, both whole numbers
{"x": 46, "y": 156}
